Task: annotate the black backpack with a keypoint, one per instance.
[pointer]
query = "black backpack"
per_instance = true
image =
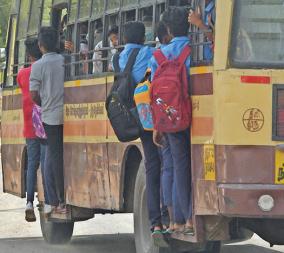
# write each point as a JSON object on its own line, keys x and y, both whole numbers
{"x": 120, "y": 106}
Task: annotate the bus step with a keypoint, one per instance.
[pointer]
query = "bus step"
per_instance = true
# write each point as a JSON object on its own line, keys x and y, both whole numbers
{"x": 186, "y": 238}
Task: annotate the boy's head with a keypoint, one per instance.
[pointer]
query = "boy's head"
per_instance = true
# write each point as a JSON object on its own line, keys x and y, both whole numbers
{"x": 47, "y": 39}
{"x": 176, "y": 19}
{"x": 163, "y": 33}
{"x": 134, "y": 32}
{"x": 113, "y": 35}
{"x": 32, "y": 49}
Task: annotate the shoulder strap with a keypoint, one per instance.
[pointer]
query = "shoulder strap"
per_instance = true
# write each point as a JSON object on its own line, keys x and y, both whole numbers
{"x": 184, "y": 54}
{"x": 131, "y": 60}
{"x": 159, "y": 56}
{"x": 116, "y": 62}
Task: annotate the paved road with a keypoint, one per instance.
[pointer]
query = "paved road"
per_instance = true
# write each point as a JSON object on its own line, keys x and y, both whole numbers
{"x": 104, "y": 234}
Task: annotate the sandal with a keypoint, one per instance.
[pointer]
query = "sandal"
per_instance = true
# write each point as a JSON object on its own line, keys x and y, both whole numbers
{"x": 188, "y": 231}
{"x": 159, "y": 239}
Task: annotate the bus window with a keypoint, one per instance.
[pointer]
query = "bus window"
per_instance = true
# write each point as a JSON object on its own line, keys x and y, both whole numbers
{"x": 73, "y": 10}
{"x": 98, "y": 8}
{"x": 85, "y": 9}
{"x": 182, "y": 2}
{"x": 128, "y": 16}
{"x": 113, "y": 4}
{"x": 146, "y": 16}
{"x": 46, "y": 15}
{"x": 258, "y": 30}
{"x": 129, "y": 2}
{"x": 111, "y": 21}
{"x": 35, "y": 16}
{"x": 11, "y": 52}
{"x": 160, "y": 8}
{"x": 23, "y": 18}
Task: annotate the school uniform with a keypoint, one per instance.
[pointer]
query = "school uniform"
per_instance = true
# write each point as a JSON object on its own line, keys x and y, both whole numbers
{"x": 151, "y": 152}
{"x": 179, "y": 144}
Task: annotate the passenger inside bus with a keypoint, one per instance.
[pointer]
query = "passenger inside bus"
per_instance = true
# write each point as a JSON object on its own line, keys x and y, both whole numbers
{"x": 205, "y": 23}
{"x": 83, "y": 49}
{"x": 113, "y": 42}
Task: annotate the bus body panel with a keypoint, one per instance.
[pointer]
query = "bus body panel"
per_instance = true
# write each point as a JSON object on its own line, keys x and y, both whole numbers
{"x": 13, "y": 143}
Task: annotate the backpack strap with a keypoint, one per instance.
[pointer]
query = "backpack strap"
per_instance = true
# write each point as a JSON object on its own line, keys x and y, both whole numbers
{"x": 184, "y": 54}
{"x": 131, "y": 60}
{"x": 159, "y": 56}
{"x": 115, "y": 61}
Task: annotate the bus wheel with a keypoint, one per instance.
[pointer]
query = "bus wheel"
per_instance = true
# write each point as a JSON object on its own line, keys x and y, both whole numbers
{"x": 56, "y": 233}
{"x": 143, "y": 240}
{"x": 213, "y": 247}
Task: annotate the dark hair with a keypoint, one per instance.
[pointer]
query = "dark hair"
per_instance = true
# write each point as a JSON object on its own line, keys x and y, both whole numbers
{"x": 113, "y": 30}
{"x": 162, "y": 31}
{"x": 32, "y": 48}
{"x": 48, "y": 38}
{"x": 134, "y": 32}
{"x": 176, "y": 19}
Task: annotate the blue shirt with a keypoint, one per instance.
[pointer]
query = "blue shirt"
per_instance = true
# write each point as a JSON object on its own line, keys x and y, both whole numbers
{"x": 142, "y": 60}
{"x": 209, "y": 10}
{"x": 172, "y": 51}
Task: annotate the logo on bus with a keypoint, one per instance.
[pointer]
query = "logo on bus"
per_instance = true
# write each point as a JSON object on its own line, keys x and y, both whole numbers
{"x": 253, "y": 120}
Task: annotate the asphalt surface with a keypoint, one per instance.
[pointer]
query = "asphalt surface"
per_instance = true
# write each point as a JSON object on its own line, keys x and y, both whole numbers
{"x": 103, "y": 234}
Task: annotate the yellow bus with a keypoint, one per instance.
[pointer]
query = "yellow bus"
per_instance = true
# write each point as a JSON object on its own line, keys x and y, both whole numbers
{"x": 237, "y": 132}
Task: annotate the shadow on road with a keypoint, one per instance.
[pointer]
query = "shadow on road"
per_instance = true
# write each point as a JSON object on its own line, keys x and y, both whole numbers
{"x": 118, "y": 243}
{"x": 248, "y": 248}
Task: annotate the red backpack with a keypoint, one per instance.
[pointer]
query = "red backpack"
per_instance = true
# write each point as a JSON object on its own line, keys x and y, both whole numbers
{"x": 170, "y": 100}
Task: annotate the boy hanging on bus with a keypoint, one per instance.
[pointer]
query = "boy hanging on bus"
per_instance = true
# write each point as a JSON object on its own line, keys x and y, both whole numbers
{"x": 167, "y": 178}
{"x": 134, "y": 38}
{"x": 205, "y": 24}
{"x": 47, "y": 90}
{"x": 35, "y": 146}
{"x": 179, "y": 141}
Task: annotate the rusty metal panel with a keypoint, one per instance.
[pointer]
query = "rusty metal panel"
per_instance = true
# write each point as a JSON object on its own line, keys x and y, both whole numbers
{"x": 241, "y": 200}
{"x": 245, "y": 164}
{"x": 13, "y": 164}
{"x": 13, "y": 143}
{"x": 116, "y": 154}
{"x": 86, "y": 175}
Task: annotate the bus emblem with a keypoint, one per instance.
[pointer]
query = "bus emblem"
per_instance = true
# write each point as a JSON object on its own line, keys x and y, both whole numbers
{"x": 253, "y": 120}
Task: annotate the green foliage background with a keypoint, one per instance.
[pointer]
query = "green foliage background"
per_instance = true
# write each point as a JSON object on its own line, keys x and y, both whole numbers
{"x": 5, "y": 6}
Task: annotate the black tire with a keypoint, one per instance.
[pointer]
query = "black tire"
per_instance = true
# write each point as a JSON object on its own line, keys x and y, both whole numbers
{"x": 213, "y": 247}
{"x": 143, "y": 240}
{"x": 56, "y": 233}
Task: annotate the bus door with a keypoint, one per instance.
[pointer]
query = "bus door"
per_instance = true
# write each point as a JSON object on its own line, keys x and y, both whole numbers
{"x": 13, "y": 143}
